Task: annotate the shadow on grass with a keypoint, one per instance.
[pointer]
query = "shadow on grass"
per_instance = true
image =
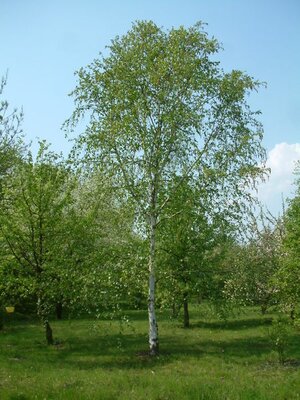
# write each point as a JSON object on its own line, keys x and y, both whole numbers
{"x": 83, "y": 349}
{"x": 129, "y": 351}
{"x": 234, "y": 324}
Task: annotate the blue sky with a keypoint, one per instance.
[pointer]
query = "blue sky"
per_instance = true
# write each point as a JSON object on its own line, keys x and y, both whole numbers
{"x": 44, "y": 42}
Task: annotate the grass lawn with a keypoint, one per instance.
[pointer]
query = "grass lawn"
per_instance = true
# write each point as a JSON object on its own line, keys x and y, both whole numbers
{"x": 104, "y": 360}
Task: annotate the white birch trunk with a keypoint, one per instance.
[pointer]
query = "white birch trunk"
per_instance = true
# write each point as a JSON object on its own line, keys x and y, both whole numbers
{"x": 153, "y": 328}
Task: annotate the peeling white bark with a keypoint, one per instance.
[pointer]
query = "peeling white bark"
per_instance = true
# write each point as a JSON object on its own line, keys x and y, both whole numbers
{"x": 153, "y": 328}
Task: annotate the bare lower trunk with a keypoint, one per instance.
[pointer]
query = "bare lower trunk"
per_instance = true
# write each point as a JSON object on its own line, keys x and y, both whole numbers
{"x": 292, "y": 313}
{"x": 44, "y": 319}
{"x": 48, "y": 330}
{"x": 175, "y": 309}
{"x": 1, "y": 321}
{"x": 153, "y": 328}
{"x": 59, "y": 309}
{"x": 186, "y": 315}
{"x": 263, "y": 308}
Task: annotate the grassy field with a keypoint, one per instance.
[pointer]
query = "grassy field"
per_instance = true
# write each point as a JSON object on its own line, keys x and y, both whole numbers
{"x": 106, "y": 360}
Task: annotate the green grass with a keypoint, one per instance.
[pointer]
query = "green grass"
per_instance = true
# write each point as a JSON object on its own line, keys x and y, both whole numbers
{"x": 103, "y": 360}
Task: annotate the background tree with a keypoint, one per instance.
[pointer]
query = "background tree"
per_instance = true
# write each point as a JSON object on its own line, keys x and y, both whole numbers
{"x": 34, "y": 201}
{"x": 254, "y": 263}
{"x": 189, "y": 246}
{"x": 100, "y": 247}
{"x": 11, "y": 147}
{"x": 160, "y": 104}
{"x": 288, "y": 276}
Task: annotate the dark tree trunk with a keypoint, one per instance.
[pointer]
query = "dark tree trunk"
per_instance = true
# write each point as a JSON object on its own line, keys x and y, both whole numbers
{"x": 59, "y": 310}
{"x": 186, "y": 316}
{"x": 49, "y": 336}
{"x": 263, "y": 308}
{"x": 175, "y": 309}
{"x": 44, "y": 319}
{"x": 292, "y": 313}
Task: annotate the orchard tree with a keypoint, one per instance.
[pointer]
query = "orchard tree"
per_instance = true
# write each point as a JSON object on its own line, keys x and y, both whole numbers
{"x": 100, "y": 247}
{"x": 288, "y": 276}
{"x": 11, "y": 147}
{"x": 159, "y": 104}
{"x": 35, "y": 199}
{"x": 253, "y": 264}
{"x": 189, "y": 246}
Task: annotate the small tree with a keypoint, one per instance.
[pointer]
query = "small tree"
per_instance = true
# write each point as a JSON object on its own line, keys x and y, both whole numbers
{"x": 278, "y": 335}
{"x": 160, "y": 104}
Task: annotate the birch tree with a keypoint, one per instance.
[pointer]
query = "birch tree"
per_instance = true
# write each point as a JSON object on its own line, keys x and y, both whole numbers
{"x": 159, "y": 104}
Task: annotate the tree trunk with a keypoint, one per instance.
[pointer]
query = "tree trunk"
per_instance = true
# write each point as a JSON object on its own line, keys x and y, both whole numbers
{"x": 44, "y": 319}
{"x": 263, "y": 308}
{"x": 175, "y": 309}
{"x": 49, "y": 336}
{"x": 186, "y": 316}
{"x": 59, "y": 310}
{"x": 153, "y": 328}
{"x": 292, "y": 312}
{"x": 1, "y": 321}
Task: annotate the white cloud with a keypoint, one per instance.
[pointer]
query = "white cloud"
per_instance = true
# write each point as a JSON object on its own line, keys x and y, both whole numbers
{"x": 281, "y": 160}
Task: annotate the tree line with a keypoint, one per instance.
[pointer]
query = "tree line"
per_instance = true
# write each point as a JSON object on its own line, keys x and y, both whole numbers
{"x": 151, "y": 206}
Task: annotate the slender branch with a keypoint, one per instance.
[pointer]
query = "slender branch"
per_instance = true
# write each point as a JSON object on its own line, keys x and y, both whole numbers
{"x": 192, "y": 166}
{"x": 15, "y": 254}
{"x": 129, "y": 185}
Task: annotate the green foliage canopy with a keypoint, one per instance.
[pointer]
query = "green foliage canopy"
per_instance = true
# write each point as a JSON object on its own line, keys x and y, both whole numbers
{"x": 288, "y": 277}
